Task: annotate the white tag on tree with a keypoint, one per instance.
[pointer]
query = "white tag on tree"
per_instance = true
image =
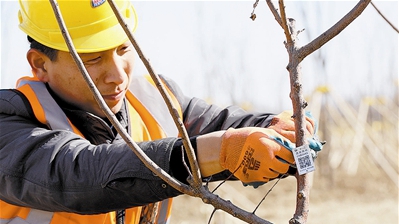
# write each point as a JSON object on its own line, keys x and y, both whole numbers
{"x": 303, "y": 159}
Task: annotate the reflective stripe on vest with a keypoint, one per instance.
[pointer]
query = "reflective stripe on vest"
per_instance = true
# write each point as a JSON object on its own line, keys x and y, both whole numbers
{"x": 152, "y": 100}
{"x": 33, "y": 217}
{"x": 44, "y": 106}
{"x": 144, "y": 95}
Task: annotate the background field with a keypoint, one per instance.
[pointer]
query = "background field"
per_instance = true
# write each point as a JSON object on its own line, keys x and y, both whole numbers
{"x": 356, "y": 177}
{"x": 363, "y": 198}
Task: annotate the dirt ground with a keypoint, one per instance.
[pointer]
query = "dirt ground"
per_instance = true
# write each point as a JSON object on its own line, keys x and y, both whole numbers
{"x": 335, "y": 198}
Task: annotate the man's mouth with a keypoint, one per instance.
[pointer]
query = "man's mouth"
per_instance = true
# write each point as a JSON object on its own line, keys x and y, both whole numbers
{"x": 114, "y": 96}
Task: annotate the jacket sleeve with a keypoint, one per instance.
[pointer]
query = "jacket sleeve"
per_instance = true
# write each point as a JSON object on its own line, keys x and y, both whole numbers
{"x": 56, "y": 170}
{"x": 200, "y": 117}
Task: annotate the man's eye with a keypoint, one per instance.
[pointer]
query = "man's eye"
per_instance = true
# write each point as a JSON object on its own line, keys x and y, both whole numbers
{"x": 125, "y": 48}
{"x": 92, "y": 61}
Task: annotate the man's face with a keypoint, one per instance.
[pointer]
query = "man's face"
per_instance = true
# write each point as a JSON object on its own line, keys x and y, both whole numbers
{"x": 110, "y": 70}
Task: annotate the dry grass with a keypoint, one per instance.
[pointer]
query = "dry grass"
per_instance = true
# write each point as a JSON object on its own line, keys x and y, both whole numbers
{"x": 335, "y": 198}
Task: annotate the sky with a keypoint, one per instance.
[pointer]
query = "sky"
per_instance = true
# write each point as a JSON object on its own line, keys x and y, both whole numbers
{"x": 213, "y": 50}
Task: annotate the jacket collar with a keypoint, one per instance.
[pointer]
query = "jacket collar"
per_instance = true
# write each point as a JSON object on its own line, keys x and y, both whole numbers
{"x": 95, "y": 129}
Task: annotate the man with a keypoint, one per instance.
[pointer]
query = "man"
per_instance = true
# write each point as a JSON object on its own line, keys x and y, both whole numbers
{"x": 62, "y": 161}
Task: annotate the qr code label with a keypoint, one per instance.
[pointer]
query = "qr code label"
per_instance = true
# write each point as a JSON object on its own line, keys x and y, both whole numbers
{"x": 303, "y": 159}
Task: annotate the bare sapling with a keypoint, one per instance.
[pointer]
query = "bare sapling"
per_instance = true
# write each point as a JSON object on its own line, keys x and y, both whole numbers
{"x": 296, "y": 55}
{"x": 196, "y": 188}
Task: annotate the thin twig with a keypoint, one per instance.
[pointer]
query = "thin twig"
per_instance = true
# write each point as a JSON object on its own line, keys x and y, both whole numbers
{"x": 253, "y": 15}
{"x": 385, "y": 18}
{"x": 210, "y": 218}
{"x": 195, "y": 171}
{"x": 267, "y": 193}
{"x": 184, "y": 160}
{"x": 224, "y": 181}
{"x": 284, "y": 21}
{"x": 274, "y": 12}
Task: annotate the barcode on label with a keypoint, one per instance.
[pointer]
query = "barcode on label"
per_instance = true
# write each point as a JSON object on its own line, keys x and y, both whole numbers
{"x": 303, "y": 159}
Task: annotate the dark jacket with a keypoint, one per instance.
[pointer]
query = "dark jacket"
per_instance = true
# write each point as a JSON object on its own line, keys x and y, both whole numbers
{"x": 56, "y": 170}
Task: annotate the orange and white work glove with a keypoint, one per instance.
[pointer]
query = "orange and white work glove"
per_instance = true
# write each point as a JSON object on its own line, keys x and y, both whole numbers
{"x": 255, "y": 155}
{"x": 283, "y": 124}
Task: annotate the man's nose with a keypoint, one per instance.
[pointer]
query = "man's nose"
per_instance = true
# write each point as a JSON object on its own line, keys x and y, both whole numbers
{"x": 115, "y": 71}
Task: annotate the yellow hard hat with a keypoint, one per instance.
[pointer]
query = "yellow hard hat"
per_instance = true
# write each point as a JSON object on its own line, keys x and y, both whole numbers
{"x": 92, "y": 25}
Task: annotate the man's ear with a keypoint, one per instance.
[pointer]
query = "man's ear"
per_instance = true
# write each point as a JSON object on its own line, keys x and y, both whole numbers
{"x": 37, "y": 61}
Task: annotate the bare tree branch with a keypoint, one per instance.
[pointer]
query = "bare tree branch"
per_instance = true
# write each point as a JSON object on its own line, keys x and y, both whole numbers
{"x": 385, "y": 18}
{"x": 196, "y": 178}
{"x": 296, "y": 55}
{"x": 298, "y": 104}
{"x": 333, "y": 31}
{"x": 284, "y": 22}
{"x": 230, "y": 208}
{"x": 274, "y": 12}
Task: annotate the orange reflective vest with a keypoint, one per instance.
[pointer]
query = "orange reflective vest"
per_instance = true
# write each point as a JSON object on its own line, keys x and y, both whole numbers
{"x": 149, "y": 122}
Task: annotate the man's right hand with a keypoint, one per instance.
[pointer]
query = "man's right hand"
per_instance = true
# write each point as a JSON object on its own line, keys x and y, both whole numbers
{"x": 283, "y": 124}
{"x": 255, "y": 154}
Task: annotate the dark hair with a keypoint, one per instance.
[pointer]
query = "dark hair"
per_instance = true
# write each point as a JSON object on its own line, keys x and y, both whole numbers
{"x": 48, "y": 51}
